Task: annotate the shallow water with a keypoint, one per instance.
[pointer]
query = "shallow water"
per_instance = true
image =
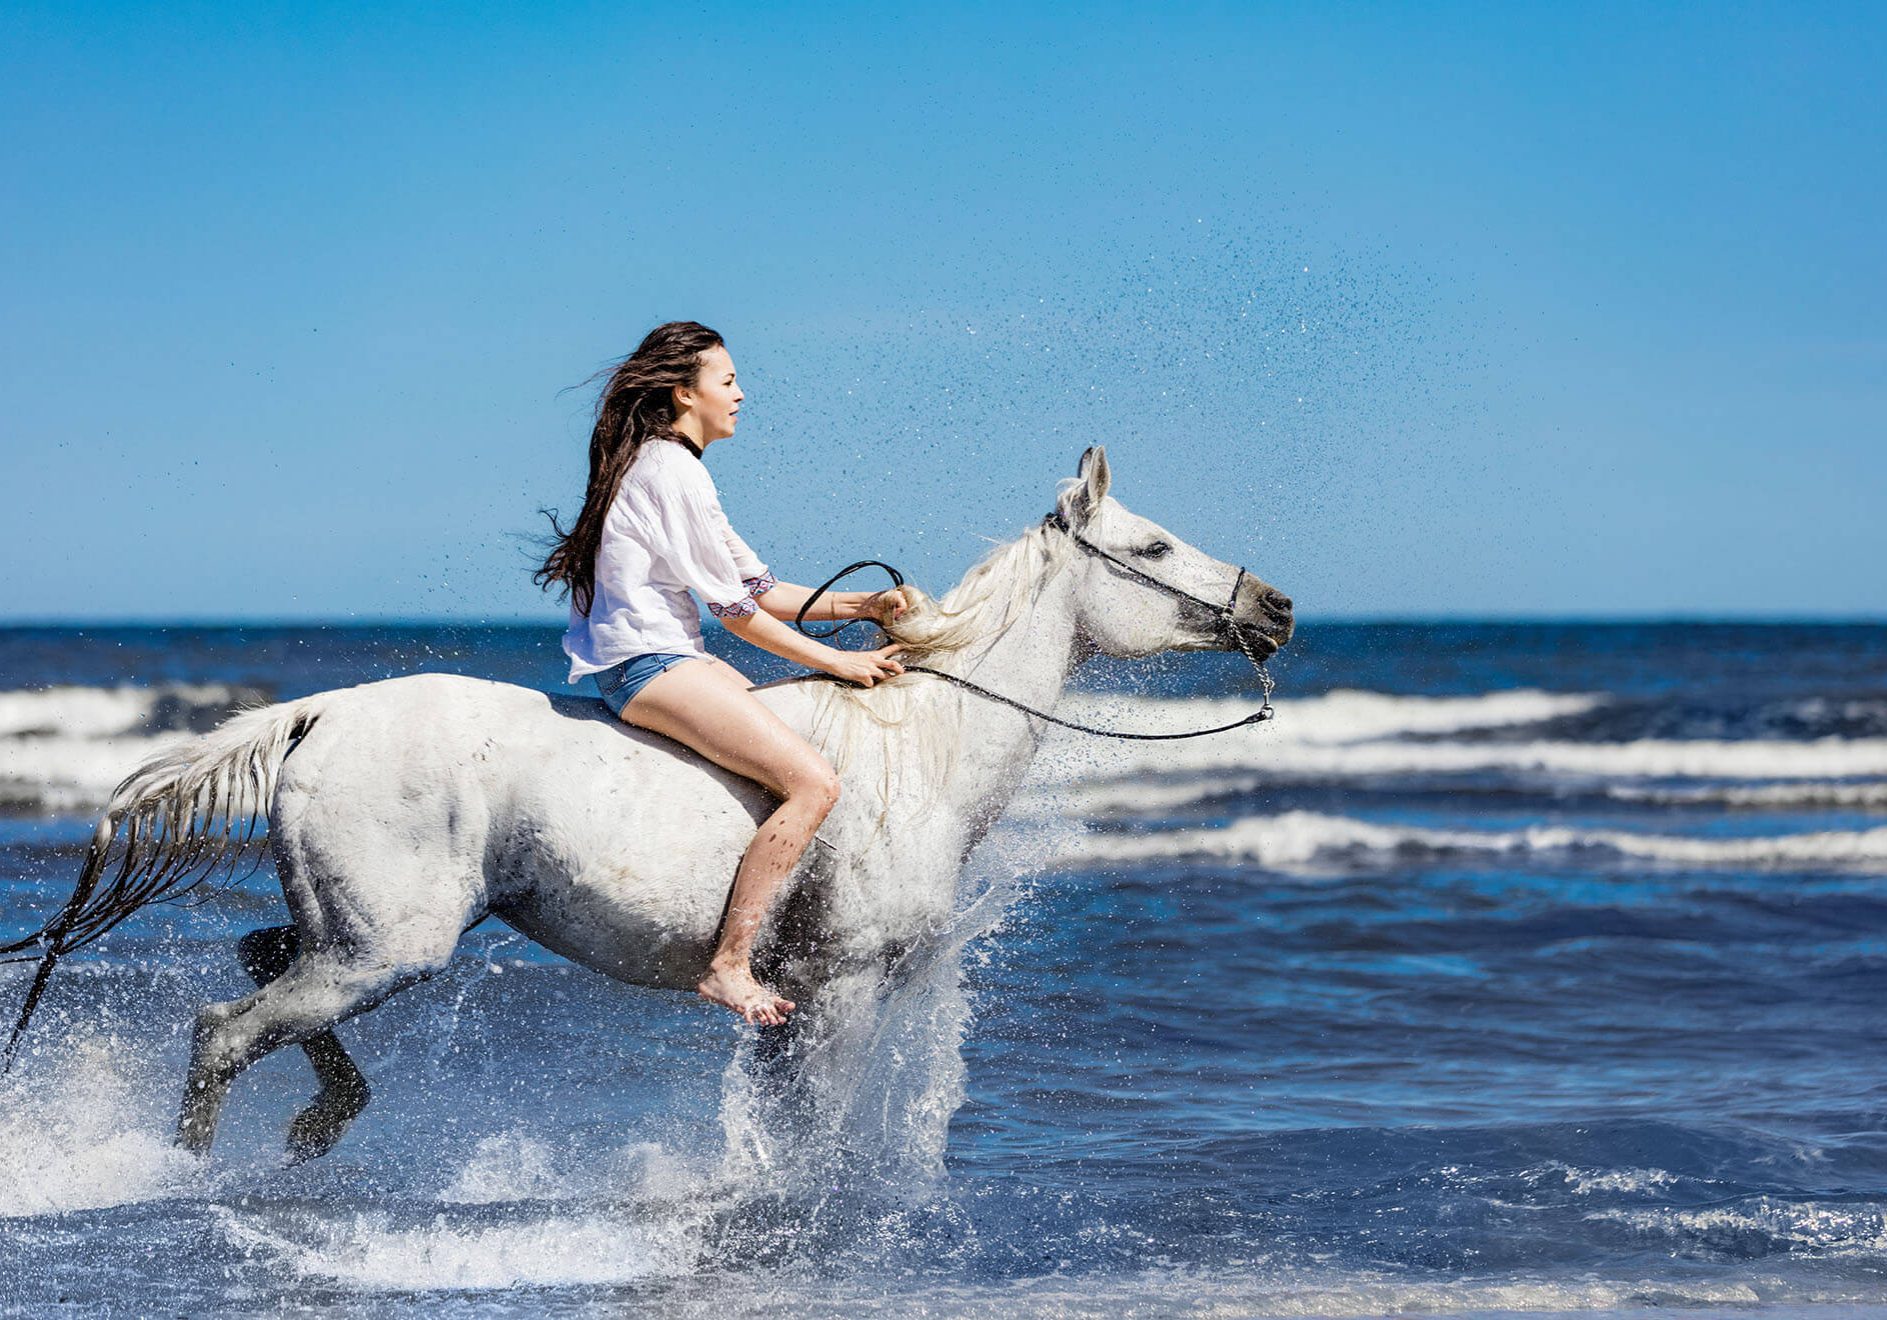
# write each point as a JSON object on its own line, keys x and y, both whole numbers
{"x": 1513, "y": 969}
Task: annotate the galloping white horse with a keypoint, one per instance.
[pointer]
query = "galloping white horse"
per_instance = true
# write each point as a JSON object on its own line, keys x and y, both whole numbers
{"x": 402, "y": 812}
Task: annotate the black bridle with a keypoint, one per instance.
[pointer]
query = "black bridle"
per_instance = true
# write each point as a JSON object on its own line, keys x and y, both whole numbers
{"x": 1225, "y": 615}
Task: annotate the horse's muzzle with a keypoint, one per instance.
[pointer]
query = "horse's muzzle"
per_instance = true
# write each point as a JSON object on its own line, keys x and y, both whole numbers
{"x": 1263, "y": 614}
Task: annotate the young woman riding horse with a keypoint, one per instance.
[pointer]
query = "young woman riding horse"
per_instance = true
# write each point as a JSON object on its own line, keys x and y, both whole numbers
{"x": 651, "y": 533}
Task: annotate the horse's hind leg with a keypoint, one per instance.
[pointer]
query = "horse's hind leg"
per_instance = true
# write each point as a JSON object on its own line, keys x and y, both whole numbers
{"x": 319, "y": 988}
{"x": 344, "y": 1093}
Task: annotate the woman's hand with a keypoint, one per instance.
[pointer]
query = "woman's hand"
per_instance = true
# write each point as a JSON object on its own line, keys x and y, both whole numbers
{"x": 864, "y": 667}
{"x": 884, "y": 606}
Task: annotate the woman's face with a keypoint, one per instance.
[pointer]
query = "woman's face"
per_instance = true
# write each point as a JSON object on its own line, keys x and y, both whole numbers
{"x": 714, "y": 402}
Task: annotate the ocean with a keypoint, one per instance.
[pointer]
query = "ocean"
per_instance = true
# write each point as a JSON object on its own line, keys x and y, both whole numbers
{"x": 1514, "y": 968}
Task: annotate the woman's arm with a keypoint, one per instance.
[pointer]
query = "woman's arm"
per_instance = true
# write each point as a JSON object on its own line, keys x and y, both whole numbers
{"x": 785, "y": 598}
{"x": 769, "y": 634}
{"x": 703, "y": 553}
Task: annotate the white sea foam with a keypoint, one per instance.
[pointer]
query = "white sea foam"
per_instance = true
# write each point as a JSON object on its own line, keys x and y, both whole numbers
{"x": 1587, "y": 1182}
{"x": 521, "y": 1167}
{"x": 1836, "y": 1228}
{"x": 1280, "y": 758}
{"x": 369, "y": 1252}
{"x": 1381, "y": 1294}
{"x": 80, "y": 1130}
{"x": 71, "y": 774}
{"x": 1304, "y": 840}
{"x": 1349, "y": 736}
{"x": 1337, "y": 719}
{"x": 66, "y": 748}
{"x": 1357, "y": 737}
{"x": 1346, "y": 715}
{"x": 1294, "y": 1291}
{"x": 93, "y": 712}
{"x": 73, "y": 712}
{"x": 1866, "y": 795}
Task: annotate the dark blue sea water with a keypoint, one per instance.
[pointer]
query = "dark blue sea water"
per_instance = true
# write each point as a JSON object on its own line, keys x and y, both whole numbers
{"x": 1514, "y": 968}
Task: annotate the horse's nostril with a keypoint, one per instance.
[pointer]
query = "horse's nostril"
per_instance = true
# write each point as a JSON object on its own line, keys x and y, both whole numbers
{"x": 1279, "y": 601}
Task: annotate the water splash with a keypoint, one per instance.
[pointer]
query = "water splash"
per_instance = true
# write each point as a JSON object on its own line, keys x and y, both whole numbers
{"x": 83, "y": 1127}
{"x": 371, "y": 1252}
{"x": 852, "y": 1116}
{"x": 519, "y": 1167}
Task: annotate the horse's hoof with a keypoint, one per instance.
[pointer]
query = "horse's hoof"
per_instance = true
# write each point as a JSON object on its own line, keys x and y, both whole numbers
{"x": 320, "y": 1127}
{"x": 313, "y": 1134}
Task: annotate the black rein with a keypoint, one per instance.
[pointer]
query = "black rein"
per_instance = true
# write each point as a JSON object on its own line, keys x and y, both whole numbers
{"x": 1222, "y": 612}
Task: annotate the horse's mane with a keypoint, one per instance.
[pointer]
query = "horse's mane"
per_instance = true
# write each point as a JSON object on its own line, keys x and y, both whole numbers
{"x": 994, "y": 596}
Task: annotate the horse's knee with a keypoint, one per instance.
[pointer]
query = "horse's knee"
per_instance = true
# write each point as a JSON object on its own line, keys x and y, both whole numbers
{"x": 213, "y": 1019}
{"x": 348, "y": 1094}
{"x": 344, "y": 1089}
{"x": 216, "y": 1052}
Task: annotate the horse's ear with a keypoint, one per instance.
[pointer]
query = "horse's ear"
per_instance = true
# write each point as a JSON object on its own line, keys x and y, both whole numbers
{"x": 1082, "y": 496}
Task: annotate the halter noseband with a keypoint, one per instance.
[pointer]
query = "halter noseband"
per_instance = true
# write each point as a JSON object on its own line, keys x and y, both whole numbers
{"x": 1226, "y": 614}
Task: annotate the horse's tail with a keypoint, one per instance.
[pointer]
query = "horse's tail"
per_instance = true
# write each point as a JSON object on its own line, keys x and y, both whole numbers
{"x": 185, "y": 815}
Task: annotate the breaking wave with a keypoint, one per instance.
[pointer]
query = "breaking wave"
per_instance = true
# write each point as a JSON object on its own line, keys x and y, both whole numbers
{"x": 1308, "y": 841}
{"x": 88, "y": 712}
{"x": 1763, "y": 1225}
{"x": 1293, "y": 747}
{"x": 66, "y": 748}
{"x": 1864, "y": 796}
{"x": 1363, "y": 739}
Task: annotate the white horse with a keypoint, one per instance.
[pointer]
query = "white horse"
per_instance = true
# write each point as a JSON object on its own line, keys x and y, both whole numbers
{"x": 400, "y": 813}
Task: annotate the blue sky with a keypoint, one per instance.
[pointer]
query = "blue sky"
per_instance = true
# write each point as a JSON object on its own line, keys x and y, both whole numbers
{"x": 1415, "y": 310}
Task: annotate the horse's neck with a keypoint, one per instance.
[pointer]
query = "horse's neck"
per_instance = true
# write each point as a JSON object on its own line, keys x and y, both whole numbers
{"x": 957, "y": 756}
{"x": 1029, "y": 661}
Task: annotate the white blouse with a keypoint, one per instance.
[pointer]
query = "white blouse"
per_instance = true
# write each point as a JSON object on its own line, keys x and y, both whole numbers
{"x": 665, "y": 535}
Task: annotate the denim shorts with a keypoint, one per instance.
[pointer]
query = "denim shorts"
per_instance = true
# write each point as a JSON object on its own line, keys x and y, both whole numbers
{"x": 620, "y": 682}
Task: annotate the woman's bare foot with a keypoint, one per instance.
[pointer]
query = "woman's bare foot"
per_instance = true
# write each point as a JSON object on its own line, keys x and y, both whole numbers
{"x": 735, "y": 988}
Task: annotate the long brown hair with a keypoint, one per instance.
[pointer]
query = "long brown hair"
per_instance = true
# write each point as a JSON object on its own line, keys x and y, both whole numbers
{"x": 636, "y": 405}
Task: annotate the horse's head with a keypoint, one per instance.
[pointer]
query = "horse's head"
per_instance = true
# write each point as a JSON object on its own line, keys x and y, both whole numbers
{"x": 1141, "y": 590}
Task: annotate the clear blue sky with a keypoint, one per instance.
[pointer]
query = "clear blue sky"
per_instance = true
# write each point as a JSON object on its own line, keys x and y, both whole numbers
{"x": 1416, "y": 310}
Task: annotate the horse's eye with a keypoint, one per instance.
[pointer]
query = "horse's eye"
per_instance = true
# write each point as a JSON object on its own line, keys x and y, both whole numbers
{"x": 1158, "y": 550}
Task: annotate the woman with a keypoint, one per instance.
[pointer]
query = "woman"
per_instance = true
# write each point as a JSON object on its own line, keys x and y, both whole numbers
{"x": 650, "y": 533}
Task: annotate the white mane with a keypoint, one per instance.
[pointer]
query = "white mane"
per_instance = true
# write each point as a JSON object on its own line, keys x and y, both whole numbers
{"x": 997, "y": 591}
{"x": 996, "y": 594}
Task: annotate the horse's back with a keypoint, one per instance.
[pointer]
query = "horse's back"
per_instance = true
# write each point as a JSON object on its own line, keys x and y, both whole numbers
{"x": 609, "y": 844}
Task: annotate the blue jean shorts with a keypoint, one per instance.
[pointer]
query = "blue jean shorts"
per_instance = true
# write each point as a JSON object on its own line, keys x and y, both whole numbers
{"x": 620, "y": 682}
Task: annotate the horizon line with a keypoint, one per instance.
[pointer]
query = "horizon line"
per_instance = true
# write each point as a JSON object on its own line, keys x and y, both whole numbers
{"x": 1701, "y": 618}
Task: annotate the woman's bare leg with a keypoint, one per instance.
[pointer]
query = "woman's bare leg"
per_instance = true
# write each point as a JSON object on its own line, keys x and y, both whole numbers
{"x": 706, "y": 705}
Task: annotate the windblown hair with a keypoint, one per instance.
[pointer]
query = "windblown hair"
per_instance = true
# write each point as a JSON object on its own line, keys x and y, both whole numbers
{"x": 636, "y": 405}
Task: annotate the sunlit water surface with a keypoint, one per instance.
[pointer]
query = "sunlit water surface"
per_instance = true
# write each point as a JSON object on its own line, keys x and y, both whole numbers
{"x": 1512, "y": 969}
